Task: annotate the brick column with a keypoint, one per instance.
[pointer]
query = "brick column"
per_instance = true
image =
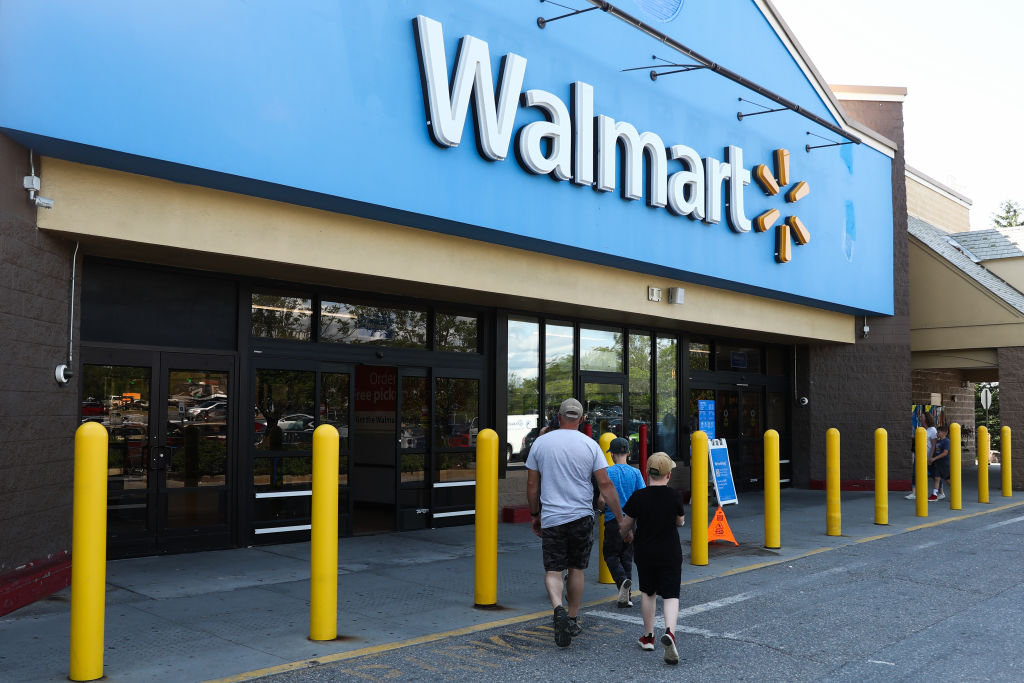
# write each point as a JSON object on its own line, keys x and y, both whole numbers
{"x": 1011, "y": 404}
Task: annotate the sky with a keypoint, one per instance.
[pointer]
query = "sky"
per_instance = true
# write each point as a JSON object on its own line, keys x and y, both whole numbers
{"x": 964, "y": 72}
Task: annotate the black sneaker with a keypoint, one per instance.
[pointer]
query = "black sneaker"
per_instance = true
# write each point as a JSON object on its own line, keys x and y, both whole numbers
{"x": 671, "y": 653}
{"x": 574, "y": 626}
{"x": 624, "y": 594}
{"x": 561, "y": 624}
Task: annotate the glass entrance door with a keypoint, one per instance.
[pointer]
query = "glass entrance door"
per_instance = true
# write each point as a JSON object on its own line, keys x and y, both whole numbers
{"x": 168, "y": 419}
{"x": 603, "y": 406}
{"x": 735, "y": 414}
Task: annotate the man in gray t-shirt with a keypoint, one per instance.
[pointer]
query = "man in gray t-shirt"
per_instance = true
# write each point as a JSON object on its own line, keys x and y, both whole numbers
{"x": 561, "y": 496}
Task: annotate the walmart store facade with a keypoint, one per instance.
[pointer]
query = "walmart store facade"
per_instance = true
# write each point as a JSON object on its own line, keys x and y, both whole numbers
{"x": 414, "y": 220}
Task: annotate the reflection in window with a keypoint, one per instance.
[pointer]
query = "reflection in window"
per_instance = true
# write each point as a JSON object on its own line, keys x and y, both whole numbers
{"x": 455, "y": 333}
{"x": 284, "y": 409}
{"x": 737, "y": 358}
{"x": 281, "y": 317}
{"x": 374, "y": 325}
{"x": 334, "y": 403}
{"x": 640, "y": 386}
{"x": 118, "y": 398}
{"x": 600, "y": 350}
{"x": 457, "y": 404}
{"x": 523, "y": 377}
{"x": 700, "y": 356}
{"x": 558, "y": 363}
{"x": 415, "y": 413}
{"x": 667, "y": 411}
{"x": 412, "y": 467}
{"x": 455, "y": 467}
{"x": 281, "y": 474}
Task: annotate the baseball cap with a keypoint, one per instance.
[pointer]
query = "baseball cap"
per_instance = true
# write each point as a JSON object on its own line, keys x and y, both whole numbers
{"x": 619, "y": 445}
{"x": 660, "y": 464}
{"x": 571, "y": 408}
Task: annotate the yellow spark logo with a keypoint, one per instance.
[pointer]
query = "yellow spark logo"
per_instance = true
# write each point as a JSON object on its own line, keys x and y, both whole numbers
{"x": 792, "y": 228}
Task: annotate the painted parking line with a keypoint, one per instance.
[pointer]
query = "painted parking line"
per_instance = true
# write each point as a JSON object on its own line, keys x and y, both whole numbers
{"x": 1003, "y": 523}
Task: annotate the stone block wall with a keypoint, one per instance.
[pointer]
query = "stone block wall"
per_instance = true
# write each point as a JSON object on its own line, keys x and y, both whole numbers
{"x": 957, "y": 401}
{"x": 1011, "y": 405}
{"x": 37, "y": 416}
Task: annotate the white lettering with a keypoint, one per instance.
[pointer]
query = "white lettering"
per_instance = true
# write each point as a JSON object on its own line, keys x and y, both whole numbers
{"x": 555, "y": 129}
{"x": 686, "y": 187}
{"x": 634, "y": 146}
{"x": 494, "y": 122}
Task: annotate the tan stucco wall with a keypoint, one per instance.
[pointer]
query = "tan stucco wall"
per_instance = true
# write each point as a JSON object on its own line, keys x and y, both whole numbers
{"x": 949, "y": 310}
{"x": 1009, "y": 269}
{"x": 933, "y": 207}
{"x": 133, "y": 216}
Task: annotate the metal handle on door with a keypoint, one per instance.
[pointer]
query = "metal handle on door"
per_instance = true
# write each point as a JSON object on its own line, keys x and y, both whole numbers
{"x": 158, "y": 457}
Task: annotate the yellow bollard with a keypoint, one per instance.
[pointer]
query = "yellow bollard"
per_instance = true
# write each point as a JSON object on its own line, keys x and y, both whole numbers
{"x": 604, "y": 575}
{"x": 833, "y": 510}
{"x": 1006, "y": 462}
{"x": 772, "y": 493}
{"x": 323, "y": 547}
{"x": 921, "y": 487}
{"x": 486, "y": 560}
{"x": 698, "y": 499}
{"x": 88, "y": 552}
{"x": 983, "y": 456}
{"x": 956, "y": 501}
{"x": 881, "y": 476}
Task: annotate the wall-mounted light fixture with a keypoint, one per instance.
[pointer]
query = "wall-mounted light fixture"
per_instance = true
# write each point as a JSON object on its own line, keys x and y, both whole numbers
{"x": 654, "y": 294}
{"x": 675, "y": 295}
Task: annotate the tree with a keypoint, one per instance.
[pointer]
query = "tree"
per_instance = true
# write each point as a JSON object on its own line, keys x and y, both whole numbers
{"x": 1011, "y": 214}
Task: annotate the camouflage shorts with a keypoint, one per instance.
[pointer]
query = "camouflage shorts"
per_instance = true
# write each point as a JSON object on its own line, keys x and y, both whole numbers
{"x": 567, "y": 546}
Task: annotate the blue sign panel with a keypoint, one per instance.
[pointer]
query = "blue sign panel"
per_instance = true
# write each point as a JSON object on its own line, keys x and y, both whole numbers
{"x": 721, "y": 470}
{"x": 706, "y": 417}
{"x": 468, "y": 118}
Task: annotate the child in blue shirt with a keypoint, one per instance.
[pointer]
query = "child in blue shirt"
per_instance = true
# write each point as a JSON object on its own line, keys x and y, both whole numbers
{"x": 618, "y": 555}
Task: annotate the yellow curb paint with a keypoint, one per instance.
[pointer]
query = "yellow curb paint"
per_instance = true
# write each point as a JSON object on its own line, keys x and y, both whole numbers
{"x": 433, "y": 637}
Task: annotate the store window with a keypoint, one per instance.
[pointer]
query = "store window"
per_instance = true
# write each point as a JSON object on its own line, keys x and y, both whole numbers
{"x": 738, "y": 358}
{"x": 667, "y": 389}
{"x": 375, "y": 325}
{"x": 640, "y": 355}
{"x": 456, "y": 333}
{"x": 600, "y": 349}
{"x": 522, "y": 386}
{"x": 700, "y": 356}
{"x": 281, "y": 317}
{"x": 284, "y": 419}
{"x": 558, "y": 367}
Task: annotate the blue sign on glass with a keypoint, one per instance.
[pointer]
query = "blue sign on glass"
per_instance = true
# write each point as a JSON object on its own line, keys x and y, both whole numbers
{"x": 706, "y": 418}
{"x": 721, "y": 469}
{"x": 738, "y": 359}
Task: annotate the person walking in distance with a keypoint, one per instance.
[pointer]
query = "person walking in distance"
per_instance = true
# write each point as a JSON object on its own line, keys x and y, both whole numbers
{"x": 938, "y": 464}
{"x": 656, "y": 512}
{"x": 561, "y": 499}
{"x": 618, "y": 555}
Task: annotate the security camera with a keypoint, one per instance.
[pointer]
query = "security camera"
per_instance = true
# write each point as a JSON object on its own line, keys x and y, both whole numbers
{"x": 44, "y": 202}
{"x": 804, "y": 400}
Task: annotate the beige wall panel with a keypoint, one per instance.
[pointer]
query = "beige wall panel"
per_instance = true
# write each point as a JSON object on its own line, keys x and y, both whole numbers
{"x": 936, "y": 208}
{"x": 1009, "y": 269}
{"x": 232, "y": 232}
{"x": 983, "y": 336}
{"x": 942, "y": 296}
{"x": 955, "y": 359}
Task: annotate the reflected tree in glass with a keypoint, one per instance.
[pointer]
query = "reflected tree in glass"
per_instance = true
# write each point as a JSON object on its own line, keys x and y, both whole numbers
{"x": 279, "y": 393}
{"x": 281, "y": 317}
{"x": 455, "y": 332}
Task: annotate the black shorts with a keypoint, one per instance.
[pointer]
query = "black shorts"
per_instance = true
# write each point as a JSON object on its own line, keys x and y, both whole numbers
{"x": 939, "y": 468}
{"x": 660, "y": 579}
{"x": 568, "y": 546}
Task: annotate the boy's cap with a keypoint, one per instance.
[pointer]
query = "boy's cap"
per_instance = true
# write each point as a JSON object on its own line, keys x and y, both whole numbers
{"x": 619, "y": 445}
{"x": 571, "y": 408}
{"x": 660, "y": 464}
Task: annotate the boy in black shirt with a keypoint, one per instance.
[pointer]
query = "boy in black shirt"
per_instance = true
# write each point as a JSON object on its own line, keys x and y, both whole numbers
{"x": 657, "y": 511}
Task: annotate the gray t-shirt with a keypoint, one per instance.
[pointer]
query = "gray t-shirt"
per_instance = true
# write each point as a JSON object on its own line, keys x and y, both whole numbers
{"x": 565, "y": 459}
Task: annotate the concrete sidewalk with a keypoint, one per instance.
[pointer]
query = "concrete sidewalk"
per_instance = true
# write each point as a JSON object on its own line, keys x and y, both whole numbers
{"x": 222, "y": 614}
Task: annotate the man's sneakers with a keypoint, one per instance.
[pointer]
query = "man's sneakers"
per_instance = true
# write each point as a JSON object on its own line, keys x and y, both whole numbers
{"x": 574, "y": 627}
{"x": 932, "y": 498}
{"x": 624, "y": 594}
{"x": 646, "y": 642}
{"x": 942, "y": 495}
{"x": 910, "y": 496}
{"x": 561, "y": 624}
{"x": 671, "y": 653}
